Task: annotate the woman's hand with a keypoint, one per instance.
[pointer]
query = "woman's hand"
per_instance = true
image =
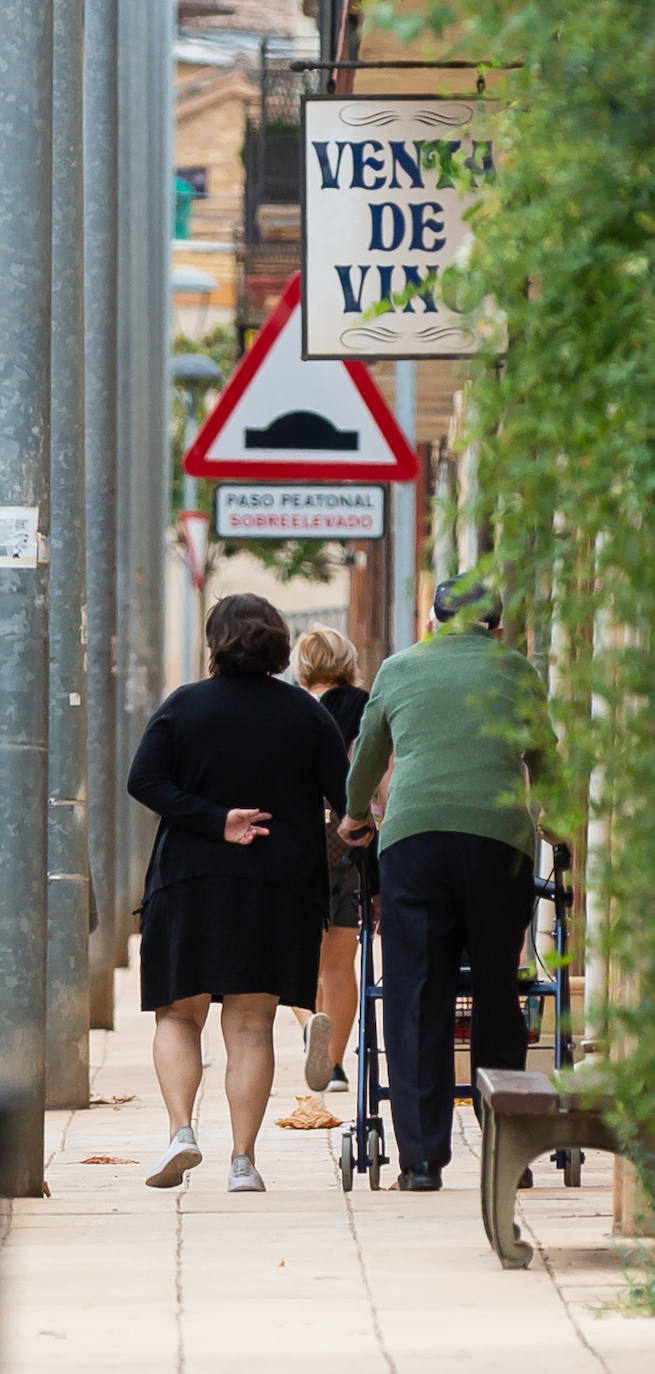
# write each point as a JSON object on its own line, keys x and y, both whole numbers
{"x": 242, "y": 827}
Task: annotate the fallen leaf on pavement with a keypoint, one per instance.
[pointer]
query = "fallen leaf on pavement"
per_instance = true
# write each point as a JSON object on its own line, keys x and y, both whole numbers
{"x": 45, "y": 1191}
{"x": 309, "y": 1115}
{"x": 110, "y": 1101}
{"x": 107, "y": 1159}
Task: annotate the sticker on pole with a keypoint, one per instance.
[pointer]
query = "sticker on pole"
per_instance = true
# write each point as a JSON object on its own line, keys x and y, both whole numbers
{"x": 19, "y": 540}
{"x": 282, "y": 418}
{"x": 194, "y": 527}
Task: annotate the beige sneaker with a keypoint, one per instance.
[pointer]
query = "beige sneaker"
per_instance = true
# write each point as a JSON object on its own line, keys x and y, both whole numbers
{"x": 318, "y": 1069}
{"x": 182, "y": 1154}
{"x": 244, "y": 1177}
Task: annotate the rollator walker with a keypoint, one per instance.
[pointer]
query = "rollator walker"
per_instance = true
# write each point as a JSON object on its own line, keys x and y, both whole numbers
{"x": 363, "y": 1145}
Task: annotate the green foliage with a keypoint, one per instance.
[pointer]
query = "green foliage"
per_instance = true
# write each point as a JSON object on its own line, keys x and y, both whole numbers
{"x": 306, "y": 558}
{"x": 563, "y": 263}
{"x": 219, "y": 345}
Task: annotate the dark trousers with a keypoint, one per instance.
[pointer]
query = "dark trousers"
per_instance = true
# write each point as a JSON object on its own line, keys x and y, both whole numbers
{"x": 442, "y": 891}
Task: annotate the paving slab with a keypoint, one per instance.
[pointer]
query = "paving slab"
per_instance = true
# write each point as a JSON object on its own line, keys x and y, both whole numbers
{"x": 109, "y": 1275}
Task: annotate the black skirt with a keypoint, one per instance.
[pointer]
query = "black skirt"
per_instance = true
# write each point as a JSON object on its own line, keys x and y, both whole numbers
{"x": 229, "y": 936}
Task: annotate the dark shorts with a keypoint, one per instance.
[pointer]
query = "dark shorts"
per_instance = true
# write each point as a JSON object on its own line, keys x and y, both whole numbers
{"x": 343, "y": 883}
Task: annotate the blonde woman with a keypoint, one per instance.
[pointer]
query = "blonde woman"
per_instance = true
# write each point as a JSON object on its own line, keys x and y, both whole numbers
{"x": 325, "y": 663}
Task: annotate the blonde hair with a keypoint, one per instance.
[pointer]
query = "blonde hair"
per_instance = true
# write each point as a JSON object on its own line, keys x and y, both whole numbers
{"x": 325, "y": 655}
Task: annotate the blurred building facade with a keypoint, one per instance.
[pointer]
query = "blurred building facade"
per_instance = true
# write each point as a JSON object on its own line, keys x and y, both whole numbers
{"x": 237, "y": 156}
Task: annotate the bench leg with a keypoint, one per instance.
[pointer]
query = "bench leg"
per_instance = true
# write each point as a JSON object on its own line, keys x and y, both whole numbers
{"x": 486, "y": 1168}
{"x": 508, "y": 1144}
{"x": 504, "y": 1160}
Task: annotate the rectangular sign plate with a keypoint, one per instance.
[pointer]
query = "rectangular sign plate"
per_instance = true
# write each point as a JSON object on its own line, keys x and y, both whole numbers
{"x": 245, "y": 511}
{"x": 383, "y": 219}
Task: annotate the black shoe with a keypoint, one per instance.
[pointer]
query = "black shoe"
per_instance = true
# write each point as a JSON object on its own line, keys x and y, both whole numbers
{"x": 420, "y": 1178}
{"x": 526, "y": 1180}
{"x": 338, "y": 1081}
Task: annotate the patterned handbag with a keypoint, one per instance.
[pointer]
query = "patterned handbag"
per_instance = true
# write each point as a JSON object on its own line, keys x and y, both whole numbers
{"x": 336, "y": 848}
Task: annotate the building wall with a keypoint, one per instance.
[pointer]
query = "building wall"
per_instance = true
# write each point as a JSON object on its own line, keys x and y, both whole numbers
{"x": 210, "y": 127}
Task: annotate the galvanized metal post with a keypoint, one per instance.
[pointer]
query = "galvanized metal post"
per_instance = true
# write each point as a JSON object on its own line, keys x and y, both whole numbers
{"x": 189, "y": 657}
{"x": 124, "y": 812}
{"x": 191, "y": 372}
{"x": 145, "y": 112}
{"x": 67, "y": 1020}
{"x": 25, "y": 282}
{"x": 101, "y": 228}
{"x": 404, "y": 534}
{"x": 159, "y": 222}
{"x": 133, "y": 460}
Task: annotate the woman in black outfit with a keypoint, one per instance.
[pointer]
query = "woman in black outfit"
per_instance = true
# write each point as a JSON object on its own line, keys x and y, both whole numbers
{"x": 325, "y": 664}
{"x": 236, "y": 893}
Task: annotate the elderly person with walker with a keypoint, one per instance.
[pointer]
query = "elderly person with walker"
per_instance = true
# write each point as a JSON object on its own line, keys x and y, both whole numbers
{"x": 236, "y": 893}
{"x": 465, "y": 717}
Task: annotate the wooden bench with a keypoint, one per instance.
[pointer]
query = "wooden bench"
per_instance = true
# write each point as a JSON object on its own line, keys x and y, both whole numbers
{"x": 523, "y": 1116}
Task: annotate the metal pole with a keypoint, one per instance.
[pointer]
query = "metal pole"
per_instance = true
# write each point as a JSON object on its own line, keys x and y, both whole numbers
{"x": 404, "y": 543}
{"x": 189, "y": 661}
{"x": 599, "y": 838}
{"x": 143, "y": 483}
{"x": 25, "y": 283}
{"x": 445, "y": 535}
{"x": 124, "y": 813}
{"x": 159, "y": 57}
{"x": 134, "y": 477}
{"x": 101, "y": 214}
{"x": 67, "y": 1020}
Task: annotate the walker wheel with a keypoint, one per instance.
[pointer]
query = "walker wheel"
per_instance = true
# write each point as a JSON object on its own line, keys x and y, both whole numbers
{"x": 572, "y": 1168}
{"x": 346, "y": 1163}
{"x": 374, "y": 1145}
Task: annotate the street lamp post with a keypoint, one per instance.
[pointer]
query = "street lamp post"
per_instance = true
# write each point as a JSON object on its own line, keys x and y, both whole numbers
{"x": 25, "y": 282}
{"x": 404, "y": 546}
{"x": 67, "y": 1020}
{"x": 101, "y": 285}
{"x": 192, "y": 373}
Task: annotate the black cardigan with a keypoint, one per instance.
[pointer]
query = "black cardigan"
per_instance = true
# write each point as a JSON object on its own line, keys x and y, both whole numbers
{"x": 240, "y": 742}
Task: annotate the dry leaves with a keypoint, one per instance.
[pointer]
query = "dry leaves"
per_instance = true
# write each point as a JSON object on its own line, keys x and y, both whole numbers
{"x": 309, "y": 1115}
{"x": 45, "y": 1191}
{"x": 111, "y": 1101}
{"x": 107, "y": 1159}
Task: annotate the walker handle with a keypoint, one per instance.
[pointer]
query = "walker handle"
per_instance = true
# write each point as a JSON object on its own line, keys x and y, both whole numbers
{"x": 361, "y": 832}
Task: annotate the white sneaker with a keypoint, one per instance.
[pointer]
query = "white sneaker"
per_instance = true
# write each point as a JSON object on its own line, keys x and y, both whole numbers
{"x": 318, "y": 1069}
{"x": 182, "y": 1154}
{"x": 244, "y": 1177}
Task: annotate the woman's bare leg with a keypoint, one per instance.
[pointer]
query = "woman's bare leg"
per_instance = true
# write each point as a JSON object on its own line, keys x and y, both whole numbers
{"x": 337, "y": 986}
{"x": 302, "y": 1015}
{"x": 247, "y": 1025}
{"x": 176, "y": 1052}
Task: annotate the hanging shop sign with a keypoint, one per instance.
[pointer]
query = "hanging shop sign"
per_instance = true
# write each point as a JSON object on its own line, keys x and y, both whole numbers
{"x": 244, "y": 511}
{"x": 383, "y": 216}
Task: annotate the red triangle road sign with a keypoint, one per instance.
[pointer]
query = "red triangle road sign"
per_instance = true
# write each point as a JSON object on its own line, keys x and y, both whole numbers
{"x": 282, "y": 418}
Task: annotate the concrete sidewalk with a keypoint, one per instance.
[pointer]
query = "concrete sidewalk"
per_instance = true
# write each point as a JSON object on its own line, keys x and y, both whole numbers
{"x": 107, "y": 1274}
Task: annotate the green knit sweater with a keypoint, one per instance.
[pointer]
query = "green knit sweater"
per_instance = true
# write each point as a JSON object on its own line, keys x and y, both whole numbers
{"x": 462, "y": 714}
